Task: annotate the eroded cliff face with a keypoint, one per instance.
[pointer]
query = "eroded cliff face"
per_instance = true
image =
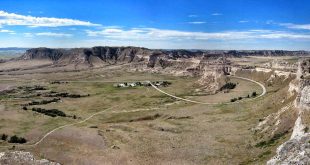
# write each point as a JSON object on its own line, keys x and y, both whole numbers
{"x": 297, "y": 149}
{"x": 89, "y": 56}
{"x": 105, "y": 54}
{"x": 213, "y": 71}
{"x": 208, "y": 66}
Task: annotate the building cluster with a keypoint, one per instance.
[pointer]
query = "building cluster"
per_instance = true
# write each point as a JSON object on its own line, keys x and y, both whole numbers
{"x": 143, "y": 83}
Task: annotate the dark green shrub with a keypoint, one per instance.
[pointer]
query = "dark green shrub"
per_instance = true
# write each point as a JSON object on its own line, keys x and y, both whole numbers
{"x": 233, "y": 100}
{"x": 16, "y": 139}
{"x": 229, "y": 85}
{"x": 50, "y": 112}
{"x": 4, "y": 137}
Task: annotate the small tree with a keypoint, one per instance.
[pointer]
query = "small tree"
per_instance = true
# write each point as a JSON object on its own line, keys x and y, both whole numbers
{"x": 14, "y": 139}
{"x": 22, "y": 140}
{"x": 233, "y": 100}
{"x": 4, "y": 137}
{"x": 254, "y": 94}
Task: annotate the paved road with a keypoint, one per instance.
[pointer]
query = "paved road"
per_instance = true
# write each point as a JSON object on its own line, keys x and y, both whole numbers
{"x": 206, "y": 103}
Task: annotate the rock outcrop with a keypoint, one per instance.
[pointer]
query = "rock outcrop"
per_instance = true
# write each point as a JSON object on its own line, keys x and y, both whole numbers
{"x": 211, "y": 66}
{"x": 213, "y": 70}
{"x": 22, "y": 158}
{"x": 297, "y": 149}
{"x": 111, "y": 55}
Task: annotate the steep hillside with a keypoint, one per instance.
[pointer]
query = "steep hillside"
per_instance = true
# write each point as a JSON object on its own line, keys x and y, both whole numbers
{"x": 297, "y": 149}
{"x": 111, "y": 55}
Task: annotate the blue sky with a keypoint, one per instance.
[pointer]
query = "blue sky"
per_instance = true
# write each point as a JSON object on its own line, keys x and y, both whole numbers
{"x": 171, "y": 24}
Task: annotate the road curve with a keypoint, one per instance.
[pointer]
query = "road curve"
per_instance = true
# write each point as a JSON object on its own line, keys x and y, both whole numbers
{"x": 80, "y": 122}
{"x": 258, "y": 83}
{"x": 50, "y": 132}
{"x": 205, "y": 103}
{"x": 155, "y": 87}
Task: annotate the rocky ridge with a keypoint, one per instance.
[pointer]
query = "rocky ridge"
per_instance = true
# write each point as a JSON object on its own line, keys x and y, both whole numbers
{"x": 136, "y": 54}
{"x": 297, "y": 149}
{"x": 211, "y": 66}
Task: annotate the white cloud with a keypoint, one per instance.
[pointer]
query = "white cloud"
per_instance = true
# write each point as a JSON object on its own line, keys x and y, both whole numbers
{"x": 153, "y": 34}
{"x": 296, "y": 26}
{"x": 197, "y": 22}
{"x": 216, "y": 14}
{"x": 50, "y": 34}
{"x": 6, "y": 31}
{"x": 13, "y": 19}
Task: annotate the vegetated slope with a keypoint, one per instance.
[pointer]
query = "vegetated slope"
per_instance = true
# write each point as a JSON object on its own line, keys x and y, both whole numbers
{"x": 297, "y": 149}
{"x": 293, "y": 117}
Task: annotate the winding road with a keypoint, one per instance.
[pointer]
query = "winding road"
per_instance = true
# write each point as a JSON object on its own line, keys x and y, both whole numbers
{"x": 76, "y": 123}
{"x": 205, "y": 103}
{"x": 136, "y": 110}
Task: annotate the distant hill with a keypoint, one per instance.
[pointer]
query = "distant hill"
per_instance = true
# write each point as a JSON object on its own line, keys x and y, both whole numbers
{"x": 13, "y": 49}
{"x": 102, "y": 55}
{"x": 11, "y": 52}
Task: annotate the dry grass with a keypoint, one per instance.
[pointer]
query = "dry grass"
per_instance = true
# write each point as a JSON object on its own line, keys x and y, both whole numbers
{"x": 181, "y": 133}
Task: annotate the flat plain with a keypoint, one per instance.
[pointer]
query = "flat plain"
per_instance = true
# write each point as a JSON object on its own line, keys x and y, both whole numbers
{"x": 138, "y": 125}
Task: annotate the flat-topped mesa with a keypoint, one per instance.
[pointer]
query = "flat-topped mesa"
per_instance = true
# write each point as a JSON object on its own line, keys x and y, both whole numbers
{"x": 105, "y": 54}
{"x": 43, "y": 53}
{"x": 129, "y": 53}
{"x": 240, "y": 53}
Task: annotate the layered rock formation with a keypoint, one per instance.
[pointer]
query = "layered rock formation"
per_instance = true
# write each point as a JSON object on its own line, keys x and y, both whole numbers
{"x": 297, "y": 149}
{"x": 110, "y": 55}
{"x": 133, "y": 54}
{"x": 213, "y": 70}
{"x": 211, "y": 66}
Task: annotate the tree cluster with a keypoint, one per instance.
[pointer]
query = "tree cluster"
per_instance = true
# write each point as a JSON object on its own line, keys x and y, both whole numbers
{"x": 254, "y": 94}
{"x": 44, "y": 101}
{"x": 16, "y": 139}
{"x": 50, "y": 112}
{"x": 13, "y": 139}
{"x": 64, "y": 94}
{"x": 229, "y": 85}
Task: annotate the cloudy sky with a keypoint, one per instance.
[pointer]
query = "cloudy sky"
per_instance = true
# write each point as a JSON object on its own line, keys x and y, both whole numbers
{"x": 169, "y": 24}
